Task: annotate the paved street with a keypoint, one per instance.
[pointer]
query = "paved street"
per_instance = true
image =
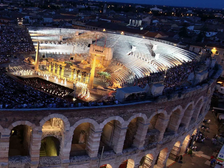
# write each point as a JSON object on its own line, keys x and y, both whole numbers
{"x": 192, "y": 162}
{"x": 200, "y": 158}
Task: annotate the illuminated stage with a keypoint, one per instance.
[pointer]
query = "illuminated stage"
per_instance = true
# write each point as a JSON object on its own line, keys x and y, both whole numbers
{"x": 45, "y": 76}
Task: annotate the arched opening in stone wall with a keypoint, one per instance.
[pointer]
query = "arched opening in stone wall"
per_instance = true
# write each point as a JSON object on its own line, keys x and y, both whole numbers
{"x": 195, "y": 112}
{"x": 195, "y": 132}
{"x": 127, "y": 164}
{"x": 174, "y": 152}
{"x": 185, "y": 145}
{"x": 201, "y": 112}
{"x": 108, "y": 135}
{"x": 131, "y": 132}
{"x": 173, "y": 125}
{"x": 79, "y": 140}
{"x": 53, "y": 128}
{"x": 146, "y": 161}
{"x": 187, "y": 115}
{"x": 193, "y": 137}
{"x": 19, "y": 142}
{"x": 155, "y": 126}
{"x": 53, "y": 124}
{"x": 50, "y": 146}
{"x": 106, "y": 166}
{"x": 161, "y": 158}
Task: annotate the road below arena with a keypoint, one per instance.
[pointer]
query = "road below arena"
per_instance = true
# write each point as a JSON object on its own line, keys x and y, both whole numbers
{"x": 200, "y": 158}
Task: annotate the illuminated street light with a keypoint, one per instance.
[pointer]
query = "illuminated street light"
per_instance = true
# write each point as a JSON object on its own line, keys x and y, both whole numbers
{"x": 214, "y": 50}
{"x": 122, "y": 33}
{"x": 104, "y": 30}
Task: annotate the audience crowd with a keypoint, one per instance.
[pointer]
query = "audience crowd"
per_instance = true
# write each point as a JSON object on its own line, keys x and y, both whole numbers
{"x": 29, "y": 93}
{"x": 177, "y": 75}
{"x": 48, "y": 87}
{"x": 15, "y": 39}
{"x": 17, "y": 95}
{"x": 171, "y": 78}
{"x": 3, "y": 58}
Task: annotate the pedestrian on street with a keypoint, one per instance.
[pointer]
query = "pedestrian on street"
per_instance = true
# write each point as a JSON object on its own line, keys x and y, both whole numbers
{"x": 212, "y": 162}
{"x": 211, "y": 158}
{"x": 180, "y": 159}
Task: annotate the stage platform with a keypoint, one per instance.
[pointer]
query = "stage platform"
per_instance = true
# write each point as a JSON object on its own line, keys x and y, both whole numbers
{"x": 94, "y": 96}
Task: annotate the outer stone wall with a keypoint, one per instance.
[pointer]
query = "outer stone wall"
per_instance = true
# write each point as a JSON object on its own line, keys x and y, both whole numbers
{"x": 182, "y": 112}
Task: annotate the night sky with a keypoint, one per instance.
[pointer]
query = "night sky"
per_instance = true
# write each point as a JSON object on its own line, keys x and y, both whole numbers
{"x": 191, "y": 3}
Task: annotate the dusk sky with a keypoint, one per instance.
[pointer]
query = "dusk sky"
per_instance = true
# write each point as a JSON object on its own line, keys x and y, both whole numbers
{"x": 192, "y": 3}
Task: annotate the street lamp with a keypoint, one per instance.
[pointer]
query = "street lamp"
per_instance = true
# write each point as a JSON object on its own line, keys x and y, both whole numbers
{"x": 214, "y": 50}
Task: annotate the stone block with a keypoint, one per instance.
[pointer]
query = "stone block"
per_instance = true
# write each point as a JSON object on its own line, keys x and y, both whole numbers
{"x": 157, "y": 89}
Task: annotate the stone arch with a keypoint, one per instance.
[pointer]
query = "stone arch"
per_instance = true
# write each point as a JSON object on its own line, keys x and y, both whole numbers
{"x": 200, "y": 99}
{"x": 86, "y": 120}
{"x": 196, "y": 111}
{"x": 55, "y": 115}
{"x": 20, "y": 139}
{"x": 55, "y": 136}
{"x": 175, "y": 151}
{"x": 146, "y": 161}
{"x": 187, "y": 114}
{"x": 177, "y": 107}
{"x": 163, "y": 112}
{"x": 174, "y": 120}
{"x": 55, "y": 126}
{"x": 117, "y": 118}
{"x": 130, "y": 163}
{"x": 156, "y": 127}
{"x": 201, "y": 111}
{"x": 185, "y": 144}
{"x": 21, "y": 123}
{"x": 106, "y": 166}
{"x": 195, "y": 131}
{"x": 133, "y": 129}
{"x": 50, "y": 146}
{"x": 109, "y": 135}
{"x": 161, "y": 158}
{"x": 80, "y": 137}
{"x": 139, "y": 115}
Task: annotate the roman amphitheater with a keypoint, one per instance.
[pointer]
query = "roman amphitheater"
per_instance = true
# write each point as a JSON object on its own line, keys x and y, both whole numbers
{"x": 143, "y": 115}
